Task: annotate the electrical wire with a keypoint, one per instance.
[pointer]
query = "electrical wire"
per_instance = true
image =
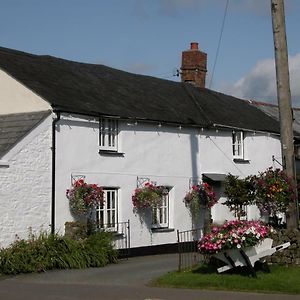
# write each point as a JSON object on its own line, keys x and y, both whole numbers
{"x": 219, "y": 43}
{"x": 227, "y": 157}
{"x": 168, "y": 75}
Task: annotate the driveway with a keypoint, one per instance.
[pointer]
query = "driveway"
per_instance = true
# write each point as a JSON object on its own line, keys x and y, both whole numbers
{"x": 126, "y": 280}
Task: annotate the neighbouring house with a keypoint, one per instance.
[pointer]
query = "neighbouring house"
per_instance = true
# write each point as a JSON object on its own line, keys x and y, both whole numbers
{"x": 273, "y": 111}
{"x": 63, "y": 120}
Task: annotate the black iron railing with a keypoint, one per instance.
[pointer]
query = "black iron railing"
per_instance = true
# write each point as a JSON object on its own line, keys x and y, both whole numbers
{"x": 188, "y": 255}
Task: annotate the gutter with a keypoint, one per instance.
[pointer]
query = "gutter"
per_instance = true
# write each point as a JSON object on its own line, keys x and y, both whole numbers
{"x": 244, "y": 129}
{"x": 134, "y": 119}
{"x": 53, "y": 148}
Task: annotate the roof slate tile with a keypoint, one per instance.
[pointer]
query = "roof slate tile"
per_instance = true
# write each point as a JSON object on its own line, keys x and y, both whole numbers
{"x": 99, "y": 90}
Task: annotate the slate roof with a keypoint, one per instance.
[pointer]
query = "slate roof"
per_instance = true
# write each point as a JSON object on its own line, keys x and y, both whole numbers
{"x": 99, "y": 90}
{"x": 273, "y": 111}
{"x": 14, "y": 127}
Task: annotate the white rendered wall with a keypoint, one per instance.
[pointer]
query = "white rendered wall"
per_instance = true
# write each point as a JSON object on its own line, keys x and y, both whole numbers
{"x": 25, "y": 190}
{"x": 16, "y": 98}
{"x": 216, "y": 157}
{"x": 167, "y": 155}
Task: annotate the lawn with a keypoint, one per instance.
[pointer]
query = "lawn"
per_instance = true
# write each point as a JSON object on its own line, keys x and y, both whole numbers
{"x": 281, "y": 279}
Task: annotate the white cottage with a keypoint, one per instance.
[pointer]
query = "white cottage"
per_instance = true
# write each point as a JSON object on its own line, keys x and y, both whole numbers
{"x": 63, "y": 120}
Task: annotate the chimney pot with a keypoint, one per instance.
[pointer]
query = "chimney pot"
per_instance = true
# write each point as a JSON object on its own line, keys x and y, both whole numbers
{"x": 194, "y": 46}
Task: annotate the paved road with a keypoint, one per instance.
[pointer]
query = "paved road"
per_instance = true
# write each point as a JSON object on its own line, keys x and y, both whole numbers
{"x": 126, "y": 280}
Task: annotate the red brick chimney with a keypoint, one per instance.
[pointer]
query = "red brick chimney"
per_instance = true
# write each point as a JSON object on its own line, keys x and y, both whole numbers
{"x": 193, "y": 66}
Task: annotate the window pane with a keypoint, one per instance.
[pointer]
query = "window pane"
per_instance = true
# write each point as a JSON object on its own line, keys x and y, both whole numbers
{"x": 160, "y": 214}
{"x": 113, "y": 196}
{"x": 113, "y": 218}
{"x": 108, "y": 199}
{"x": 237, "y": 144}
{"x": 108, "y": 133}
{"x": 108, "y": 218}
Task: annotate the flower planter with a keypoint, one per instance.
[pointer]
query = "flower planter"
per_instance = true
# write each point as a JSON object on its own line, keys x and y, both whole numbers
{"x": 247, "y": 256}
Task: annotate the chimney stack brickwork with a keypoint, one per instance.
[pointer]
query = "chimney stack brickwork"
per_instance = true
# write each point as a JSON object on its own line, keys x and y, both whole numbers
{"x": 193, "y": 66}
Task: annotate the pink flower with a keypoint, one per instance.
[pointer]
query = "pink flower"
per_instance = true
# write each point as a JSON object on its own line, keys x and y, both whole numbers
{"x": 234, "y": 234}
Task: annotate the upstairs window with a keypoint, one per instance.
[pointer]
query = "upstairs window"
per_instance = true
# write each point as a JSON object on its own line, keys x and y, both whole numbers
{"x": 160, "y": 214}
{"x": 238, "y": 144}
{"x": 108, "y": 134}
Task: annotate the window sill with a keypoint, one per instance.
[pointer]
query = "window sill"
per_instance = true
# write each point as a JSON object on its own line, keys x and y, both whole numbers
{"x": 162, "y": 229}
{"x": 110, "y": 153}
{"x": 4, "y": 164}
{"x": 241, "y": 160}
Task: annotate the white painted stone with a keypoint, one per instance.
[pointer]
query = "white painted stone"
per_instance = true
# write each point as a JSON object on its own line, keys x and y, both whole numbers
{"x": 25, "y": 191}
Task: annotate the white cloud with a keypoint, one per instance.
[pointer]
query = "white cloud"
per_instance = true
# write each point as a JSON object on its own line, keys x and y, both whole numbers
{"x": 260, "y": 82}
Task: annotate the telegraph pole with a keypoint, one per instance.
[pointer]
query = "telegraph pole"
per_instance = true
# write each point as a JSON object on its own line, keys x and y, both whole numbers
{"x": 284, "y": 103}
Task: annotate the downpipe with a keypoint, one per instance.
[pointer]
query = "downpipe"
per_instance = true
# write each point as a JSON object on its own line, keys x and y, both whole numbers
{"x": 53, "y": 148}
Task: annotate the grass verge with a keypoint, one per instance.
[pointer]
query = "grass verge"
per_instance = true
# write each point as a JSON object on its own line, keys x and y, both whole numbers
{"x": 281, "y": 279}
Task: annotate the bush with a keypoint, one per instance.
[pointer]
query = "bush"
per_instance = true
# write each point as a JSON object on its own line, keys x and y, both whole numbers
{"x": 271, "y": 191}
{"x": 51, "y": 251}
{"x": 99, "y": 249}
{"x": 275, "y": 191}
{"x": 239, "y": 192}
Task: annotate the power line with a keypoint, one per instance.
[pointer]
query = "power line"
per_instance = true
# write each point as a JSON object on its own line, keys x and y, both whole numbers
{"x": 228, "y": 158}
{"x": 219, "y": 43}
{"x": 175, "y": 73}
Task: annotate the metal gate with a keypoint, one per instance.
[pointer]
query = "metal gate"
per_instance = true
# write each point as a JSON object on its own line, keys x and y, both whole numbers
{"x": 188, "y": 255}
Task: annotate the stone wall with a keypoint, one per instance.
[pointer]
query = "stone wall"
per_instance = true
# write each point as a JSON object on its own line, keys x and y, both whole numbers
{"x": 76, "y": 230}
{"x": 290, "y": 255}
{"x": 25, "y": 190}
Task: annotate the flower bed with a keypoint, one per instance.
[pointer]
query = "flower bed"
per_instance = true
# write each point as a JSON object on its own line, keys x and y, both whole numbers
{"x": 234, "y": 234}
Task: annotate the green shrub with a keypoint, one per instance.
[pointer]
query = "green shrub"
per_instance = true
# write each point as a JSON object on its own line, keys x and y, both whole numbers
{"x": 99, "y": 249}
{"x": 51, "y": 251}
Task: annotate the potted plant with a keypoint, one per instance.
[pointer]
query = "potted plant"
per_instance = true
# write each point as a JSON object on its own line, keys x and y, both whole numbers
{"x": 274, "y": 191}
{"x": 84, "y": 196}
{"x": 200, "y": 196}
{"x": 148, "y": 196}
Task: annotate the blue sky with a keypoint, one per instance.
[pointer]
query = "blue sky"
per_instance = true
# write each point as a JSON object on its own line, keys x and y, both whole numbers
{"x": 148, "y": 36}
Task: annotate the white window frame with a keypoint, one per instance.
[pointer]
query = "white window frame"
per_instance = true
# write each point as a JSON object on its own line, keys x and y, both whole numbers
{"x": 238, "y": 144}
{"x": 107, "y": 213}
{"x": 108, "y": 134}
{"x": 161, "y": 213}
